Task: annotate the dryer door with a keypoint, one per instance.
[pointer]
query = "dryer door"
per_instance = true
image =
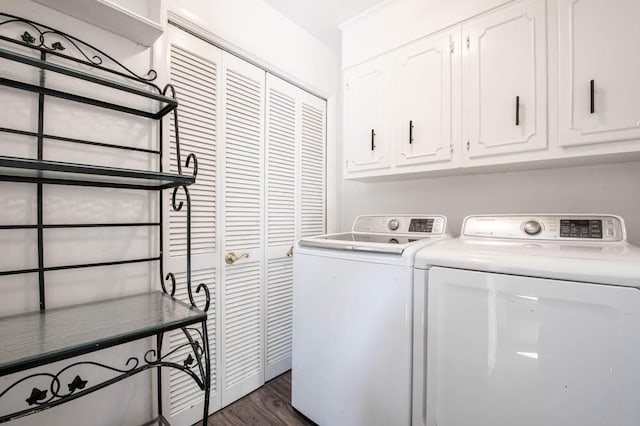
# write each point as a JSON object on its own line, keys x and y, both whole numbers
{"x": 506, "y": 350}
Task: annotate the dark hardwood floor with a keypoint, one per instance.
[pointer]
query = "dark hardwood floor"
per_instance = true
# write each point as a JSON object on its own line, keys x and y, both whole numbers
{"x": 269, "y": 405}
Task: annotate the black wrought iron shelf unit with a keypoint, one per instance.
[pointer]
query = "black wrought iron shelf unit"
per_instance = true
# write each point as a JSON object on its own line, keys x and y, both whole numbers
{"x": 37, "y": 339}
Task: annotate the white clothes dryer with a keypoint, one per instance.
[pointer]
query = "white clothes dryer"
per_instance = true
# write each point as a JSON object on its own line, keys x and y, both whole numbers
{"x": 352, "y": 320}
{"x": 528, "y": 320}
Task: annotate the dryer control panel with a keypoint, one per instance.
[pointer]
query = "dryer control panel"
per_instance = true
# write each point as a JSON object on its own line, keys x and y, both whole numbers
{"x": 401, "y": 224}
{"x": 547, "y": 227}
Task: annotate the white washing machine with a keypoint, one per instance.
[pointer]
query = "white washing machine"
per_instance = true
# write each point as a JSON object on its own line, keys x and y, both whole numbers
{"x": 529, "y": 321}
{"x": 352, "y": 320}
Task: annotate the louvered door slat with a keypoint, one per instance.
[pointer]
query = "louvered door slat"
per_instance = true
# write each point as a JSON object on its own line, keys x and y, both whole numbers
{"x": 203, "y": 195}
{"x": 290, "y": 126}
{"x": 242, "y": 325}
{"x": 313, "y": 169}
{"x": 184, "y": 392}
{"x": 243, "y": 157}
{"x": 243, "y": 112}
{"x": 283, "y": 134}
{"x": 194, "y": 68}
{"x": 281, "y": 169}
{"x": 279, "y": 308}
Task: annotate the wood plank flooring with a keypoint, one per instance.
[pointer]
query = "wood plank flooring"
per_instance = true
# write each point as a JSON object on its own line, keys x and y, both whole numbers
{"x": 269, "y": 405}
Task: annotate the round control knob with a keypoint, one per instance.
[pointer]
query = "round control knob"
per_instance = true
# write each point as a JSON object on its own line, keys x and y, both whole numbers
{"x": 393, "y": 224}
{"x": 532, "y": 227}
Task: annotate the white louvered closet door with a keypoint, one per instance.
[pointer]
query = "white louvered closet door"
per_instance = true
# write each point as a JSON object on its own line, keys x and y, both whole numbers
{"x": 282, "y": 219}
{"x": 295, "y": 203}
{"x": 313, "y": 166}
{"x": 243, "y": 214}
{"x": 195, "y": 73}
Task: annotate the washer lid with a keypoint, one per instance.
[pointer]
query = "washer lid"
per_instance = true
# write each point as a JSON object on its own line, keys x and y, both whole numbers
{"x": 375, "y": 243}
{"x": 388, "y": 234}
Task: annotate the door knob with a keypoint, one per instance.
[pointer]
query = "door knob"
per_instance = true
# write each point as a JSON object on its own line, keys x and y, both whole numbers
{"x": 290, "y": 252}
{"x": 231, "y": 257}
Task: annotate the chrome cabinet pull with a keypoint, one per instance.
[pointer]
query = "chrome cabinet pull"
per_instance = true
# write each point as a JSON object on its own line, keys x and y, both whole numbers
{"x": 290, "y": 252}
{"x": 517, "y": 110}
{"x": 232, "y": 258}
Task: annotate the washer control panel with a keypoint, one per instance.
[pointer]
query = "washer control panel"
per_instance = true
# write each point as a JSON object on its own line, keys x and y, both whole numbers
{"x": 546, "y": 227}
{"x": 393, "y": 224}
{"x": 401, "y": 224}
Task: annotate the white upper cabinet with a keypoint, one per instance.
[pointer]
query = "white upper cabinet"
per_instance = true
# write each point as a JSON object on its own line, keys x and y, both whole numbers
{"x": 599, "y": 71}
{"x": 504, "y": 81}
{"x": 474, "y": 96}
{"x": 426, "y": 86}
{"x": 367, "y": 94}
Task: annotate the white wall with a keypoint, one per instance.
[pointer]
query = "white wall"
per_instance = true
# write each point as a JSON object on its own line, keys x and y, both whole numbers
{"x": 606, "y": 188}
{"x": 128, "y": 402}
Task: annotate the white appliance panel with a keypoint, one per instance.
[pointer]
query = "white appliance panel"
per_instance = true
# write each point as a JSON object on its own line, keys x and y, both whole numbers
{"x": 508, "y": 350}
{"x": 566, "y": 227}
{"x": 401, "y": 224}
{"x": 351, "y": 341}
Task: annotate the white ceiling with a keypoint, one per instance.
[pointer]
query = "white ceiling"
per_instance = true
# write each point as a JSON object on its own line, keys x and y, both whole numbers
{"x": 322, "y": 17}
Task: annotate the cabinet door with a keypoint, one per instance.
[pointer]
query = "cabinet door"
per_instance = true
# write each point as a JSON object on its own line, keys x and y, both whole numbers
{"x": 367, "y": 89}
{"x": 242, "y": 287}
{"x": 194, "y": 72}
{"x": 599, "y": 43}
{"x": 425, "y": 90}
{"x": 504, "y": 81}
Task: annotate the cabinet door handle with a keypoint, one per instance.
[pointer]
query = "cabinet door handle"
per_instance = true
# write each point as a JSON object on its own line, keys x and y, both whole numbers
{"x": 592, "y": 89}
{"x": 290, "y": 252}
{"x": 410, "y": 132}
{"x": 373, "y": 137}
{"x": 517, "y": 110}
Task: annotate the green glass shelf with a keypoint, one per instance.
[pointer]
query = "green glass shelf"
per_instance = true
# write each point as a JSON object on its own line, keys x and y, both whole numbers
{"x": 15, "y": 169}
{"x": 38, "y": 338}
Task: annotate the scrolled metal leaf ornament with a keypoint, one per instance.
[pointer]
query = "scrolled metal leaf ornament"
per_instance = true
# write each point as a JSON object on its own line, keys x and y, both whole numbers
{"x": 188, "y": 362}
{"x": 85, "y": 52}
{"x": 57, "y": 46}
{"x": 27, "y": 38}
{"x": 42, "y": 398}
{"x": 36, "y": 396}
{"x": 77, "y": 384}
